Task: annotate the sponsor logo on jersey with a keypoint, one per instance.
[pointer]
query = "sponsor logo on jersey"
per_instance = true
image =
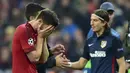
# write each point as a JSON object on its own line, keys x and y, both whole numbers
{"x": 103, "y": 44}
{"x": 98, "y": 54}
{"x": 31, "y": 41}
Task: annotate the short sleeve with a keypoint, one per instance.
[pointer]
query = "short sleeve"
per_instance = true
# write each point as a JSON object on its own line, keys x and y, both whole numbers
{"x": 119, "y": 50}
{"x": 86, "y": 51}
{"x": 26, "y": 42}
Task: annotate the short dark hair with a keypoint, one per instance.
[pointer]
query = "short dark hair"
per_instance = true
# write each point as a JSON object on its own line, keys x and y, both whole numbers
{"x": 32, "y": 9}
{"x": 103, "y": 14}
{"x": 49, "y": 17}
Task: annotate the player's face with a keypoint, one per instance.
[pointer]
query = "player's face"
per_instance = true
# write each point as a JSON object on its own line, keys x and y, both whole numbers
{"x": 96, "y": 23}
{"x": 44, "y": 25}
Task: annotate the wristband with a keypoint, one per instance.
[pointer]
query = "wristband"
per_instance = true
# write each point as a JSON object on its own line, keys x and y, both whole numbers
{"x": 70, "y": 64}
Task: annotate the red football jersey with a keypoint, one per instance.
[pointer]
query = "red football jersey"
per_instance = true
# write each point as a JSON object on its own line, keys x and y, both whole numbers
{"x": 23, "y": 42}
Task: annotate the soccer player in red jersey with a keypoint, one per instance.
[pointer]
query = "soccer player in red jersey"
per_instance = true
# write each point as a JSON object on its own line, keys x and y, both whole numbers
{"x": 29, "y": 43}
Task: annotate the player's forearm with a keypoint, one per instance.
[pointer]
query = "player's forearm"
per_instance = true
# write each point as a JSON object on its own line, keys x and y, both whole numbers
{"x": 35, "y": 55}
{"x": 77, "y": 65}
{"x": 38, "y": 48}
{"x": 122, "y": 68}
{"x": 45, "y": 52}
{"x": 122, "y": 65}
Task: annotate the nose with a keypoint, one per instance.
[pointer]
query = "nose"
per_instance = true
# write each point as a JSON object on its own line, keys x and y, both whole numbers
{"x": 91, "y": 23}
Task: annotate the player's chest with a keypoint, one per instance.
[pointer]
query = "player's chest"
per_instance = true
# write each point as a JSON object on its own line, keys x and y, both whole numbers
{"x": 100, "y": 47}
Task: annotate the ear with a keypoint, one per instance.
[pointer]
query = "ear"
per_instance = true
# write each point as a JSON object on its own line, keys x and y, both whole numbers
{"x": 32, "y": 17}
{"x": 104, "y": 23}
{"x": 40, "y": 20}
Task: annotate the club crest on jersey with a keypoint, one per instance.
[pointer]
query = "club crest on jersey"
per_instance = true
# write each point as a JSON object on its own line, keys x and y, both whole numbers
{"x": 103, "y": 44}
{"x": 30, "y": 41}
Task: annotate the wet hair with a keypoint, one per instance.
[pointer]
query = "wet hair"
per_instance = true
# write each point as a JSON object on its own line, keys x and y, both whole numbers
{"x": 32, "y": 9}
{"x": 102, "y": 14}
{"x": 49, "y": 17}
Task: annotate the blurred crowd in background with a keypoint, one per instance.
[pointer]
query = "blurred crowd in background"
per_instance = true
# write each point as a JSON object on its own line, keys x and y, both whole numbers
{"x": 74, "y": 25}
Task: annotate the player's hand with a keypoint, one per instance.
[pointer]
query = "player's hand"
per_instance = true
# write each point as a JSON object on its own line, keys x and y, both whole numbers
{"x": 61, "y": 61}
{"x": 44, "y": 32}
{"x": 127, "y": 66}
{"x": 57, "y": 49}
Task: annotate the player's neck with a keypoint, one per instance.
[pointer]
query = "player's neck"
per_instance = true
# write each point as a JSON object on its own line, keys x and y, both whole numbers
{"x": 33, "y": 25}
{"x": 100, "y": 32}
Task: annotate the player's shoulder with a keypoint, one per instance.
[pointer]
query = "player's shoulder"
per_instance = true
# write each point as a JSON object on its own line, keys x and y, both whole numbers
{"x": 90, "y": 33}
{"x": 115, "y": 38}
{"x": 21, "y": 29}
{"x": 115, "y": 33}
{"x": 22, "y": 26}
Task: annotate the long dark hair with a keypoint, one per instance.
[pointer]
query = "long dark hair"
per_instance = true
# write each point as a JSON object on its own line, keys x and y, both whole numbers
{"x": 104, "y": 15}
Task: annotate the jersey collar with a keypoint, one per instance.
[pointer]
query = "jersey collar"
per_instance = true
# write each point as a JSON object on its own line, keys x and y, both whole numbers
{"x": 28, "y": 25}
{"x": 105, "y": 33}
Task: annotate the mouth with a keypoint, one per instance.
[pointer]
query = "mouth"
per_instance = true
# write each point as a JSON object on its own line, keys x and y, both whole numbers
{"x": 93, "y": 27}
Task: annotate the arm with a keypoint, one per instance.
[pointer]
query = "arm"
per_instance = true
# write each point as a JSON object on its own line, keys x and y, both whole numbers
{"x": 33, "y": 51}
{"x": 55, "y": 60}
{"x": 43, "y": 33}
{"x": 35, "y": 55}
{"x": 83, "y": 60}
{"x": 41, "y": 68}
{"x": 45, "y": 52}
{"x": 51, "y": 62}
{"x": 122, "y": 65}
{"x": 119, "y": 54}
{"x": 79, "y": 64}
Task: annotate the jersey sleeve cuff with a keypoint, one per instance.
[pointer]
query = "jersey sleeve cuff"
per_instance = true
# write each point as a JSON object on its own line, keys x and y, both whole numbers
{"x": 28, "y": 50}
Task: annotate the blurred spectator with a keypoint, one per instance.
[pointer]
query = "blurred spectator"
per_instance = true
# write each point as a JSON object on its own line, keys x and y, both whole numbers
{"x": 49, "y": 4}
{"x": 1, "y": 33}
{"x": 64, "y": 7}
{"x": 9, "y": 31}
{"x": 73, "y": 37}
{"x": 5, "y": 58}
{"x": 54, "y": 38}
{"x": 4, "y": 10}
{"x": 17, "y": 17}
{"x": 118, "y": 19}
{"x": 122, "y": 32}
